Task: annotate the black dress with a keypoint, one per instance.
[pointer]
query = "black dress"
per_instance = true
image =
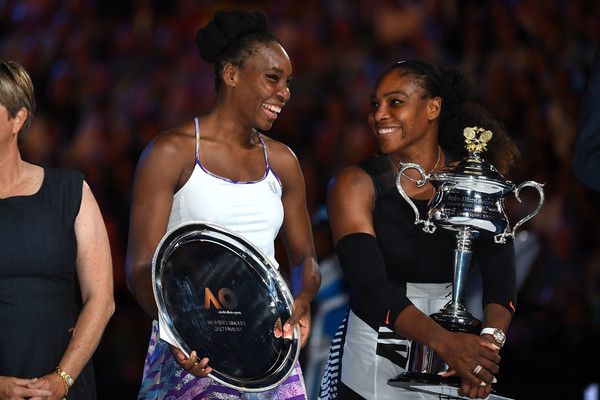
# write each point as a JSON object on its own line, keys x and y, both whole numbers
{"x": 38, "y": 280}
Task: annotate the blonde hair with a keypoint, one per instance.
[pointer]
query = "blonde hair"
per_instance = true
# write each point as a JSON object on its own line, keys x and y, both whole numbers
{"x": 16, "y": 92}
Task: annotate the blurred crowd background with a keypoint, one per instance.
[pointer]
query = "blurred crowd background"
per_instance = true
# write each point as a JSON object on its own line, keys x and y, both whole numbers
{"x": 111, "y": 74}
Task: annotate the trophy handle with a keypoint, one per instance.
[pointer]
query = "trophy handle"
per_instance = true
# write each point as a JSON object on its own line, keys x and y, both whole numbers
{"x": 501, "y": 238}
{"x": 428, "y": 226}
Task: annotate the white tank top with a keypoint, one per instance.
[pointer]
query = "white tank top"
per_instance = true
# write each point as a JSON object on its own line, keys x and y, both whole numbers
{"x": 251, "y": 209}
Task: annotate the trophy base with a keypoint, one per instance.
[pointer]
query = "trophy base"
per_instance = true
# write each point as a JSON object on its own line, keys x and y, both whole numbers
{"x": 454, "y": 317}
{"x": 445, "y": 387}
{"x": 424, "y": 378}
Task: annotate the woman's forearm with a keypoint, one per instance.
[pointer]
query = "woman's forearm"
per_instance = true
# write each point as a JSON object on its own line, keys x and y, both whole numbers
{"x": 306, "y": 278}
{"x": 90, "y": 325}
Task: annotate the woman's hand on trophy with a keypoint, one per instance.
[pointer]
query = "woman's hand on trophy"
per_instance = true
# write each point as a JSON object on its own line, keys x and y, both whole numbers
{"x": 300, "y": 317}
{"x": 468, "y": 389}
{"x": 191, "y": 363}
{"x": 471, "y": 390}
{"x": 470, "y": 357}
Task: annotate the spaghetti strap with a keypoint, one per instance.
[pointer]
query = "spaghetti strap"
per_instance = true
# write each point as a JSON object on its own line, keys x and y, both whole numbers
{"x": 198, "y": 141}
{"x": 267, "y": 158}
{"x": 264, "y": 149}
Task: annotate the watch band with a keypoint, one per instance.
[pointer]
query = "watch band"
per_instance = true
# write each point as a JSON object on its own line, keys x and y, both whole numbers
{"x": 488, "y": 331}
{"x": 67, "y": 379}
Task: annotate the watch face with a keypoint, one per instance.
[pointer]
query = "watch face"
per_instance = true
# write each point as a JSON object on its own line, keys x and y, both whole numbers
{"x": 499, "y": 336}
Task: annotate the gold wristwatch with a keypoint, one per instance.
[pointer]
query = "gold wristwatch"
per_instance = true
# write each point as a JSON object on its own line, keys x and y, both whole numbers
{"x": 67, "y": 379}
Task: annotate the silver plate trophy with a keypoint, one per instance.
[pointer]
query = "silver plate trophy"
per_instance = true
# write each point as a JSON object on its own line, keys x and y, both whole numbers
{"x": 219, "y": 295}
{"x": 469, "y": 198}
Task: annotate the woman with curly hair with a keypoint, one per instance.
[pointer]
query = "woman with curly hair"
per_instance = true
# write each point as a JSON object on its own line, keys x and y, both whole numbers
{"x": 400, "y": 274}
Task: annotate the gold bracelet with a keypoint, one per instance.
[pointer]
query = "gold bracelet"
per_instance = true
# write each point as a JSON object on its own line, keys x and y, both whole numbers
{"x": 67, "y": 379}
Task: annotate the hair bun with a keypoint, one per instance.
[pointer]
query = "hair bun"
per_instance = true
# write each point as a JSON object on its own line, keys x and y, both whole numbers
{"x": 225, "y": 28}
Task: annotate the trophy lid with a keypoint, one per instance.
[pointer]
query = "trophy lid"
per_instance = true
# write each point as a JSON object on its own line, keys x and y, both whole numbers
{"x": 473, "y": 172}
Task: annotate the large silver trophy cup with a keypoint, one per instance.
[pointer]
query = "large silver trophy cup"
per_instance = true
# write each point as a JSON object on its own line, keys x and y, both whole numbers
{"x": 469, "y": 197}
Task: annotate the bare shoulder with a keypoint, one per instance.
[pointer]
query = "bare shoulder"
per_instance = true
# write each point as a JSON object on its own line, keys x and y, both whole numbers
{"x": 351, "y": 187}
{"x": 350, "y": 201}
{"x": 168, "y": 160}
{"x": 285, "y": 164}
{"x": 174, "y": 143}
{"x": 173, "y": 147}
{"x": 279, "y": 153}
{"x": 352, "y": 178}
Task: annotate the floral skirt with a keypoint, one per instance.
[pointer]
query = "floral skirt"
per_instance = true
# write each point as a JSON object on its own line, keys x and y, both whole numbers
{"x": 164, "y": 379}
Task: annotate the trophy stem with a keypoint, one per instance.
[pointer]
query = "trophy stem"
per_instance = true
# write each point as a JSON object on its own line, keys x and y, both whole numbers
{"x": 462, "y": 261}
{"x": 454, "y": 316}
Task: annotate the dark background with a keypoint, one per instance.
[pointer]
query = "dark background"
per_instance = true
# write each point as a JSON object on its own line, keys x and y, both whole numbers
{"x": 111, "y": 74}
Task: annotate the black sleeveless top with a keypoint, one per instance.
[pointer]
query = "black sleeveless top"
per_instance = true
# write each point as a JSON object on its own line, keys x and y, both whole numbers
{"x": 38, "y": 281}
{"x": 411, "y": 255}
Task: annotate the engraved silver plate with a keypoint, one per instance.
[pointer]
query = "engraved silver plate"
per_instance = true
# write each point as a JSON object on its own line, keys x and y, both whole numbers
{"x": 221, "y": 296}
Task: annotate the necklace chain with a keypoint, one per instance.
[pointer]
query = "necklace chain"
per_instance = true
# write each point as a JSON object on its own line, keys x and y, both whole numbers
{"x": 2, "y": 197}
{"x": 402, "y": 164}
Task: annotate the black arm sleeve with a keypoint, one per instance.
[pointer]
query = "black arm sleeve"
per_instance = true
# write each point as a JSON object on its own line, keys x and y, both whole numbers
{"x": 364, "y": 267}
{"x": 498, "y": 273}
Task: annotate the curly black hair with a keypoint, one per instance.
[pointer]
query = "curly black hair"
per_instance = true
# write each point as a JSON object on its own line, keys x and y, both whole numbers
{"x": 459, "y": 110}
{"x": 230, "y": 37}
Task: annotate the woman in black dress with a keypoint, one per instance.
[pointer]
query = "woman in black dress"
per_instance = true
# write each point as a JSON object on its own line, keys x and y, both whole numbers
{"x": 52, "y": 239}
